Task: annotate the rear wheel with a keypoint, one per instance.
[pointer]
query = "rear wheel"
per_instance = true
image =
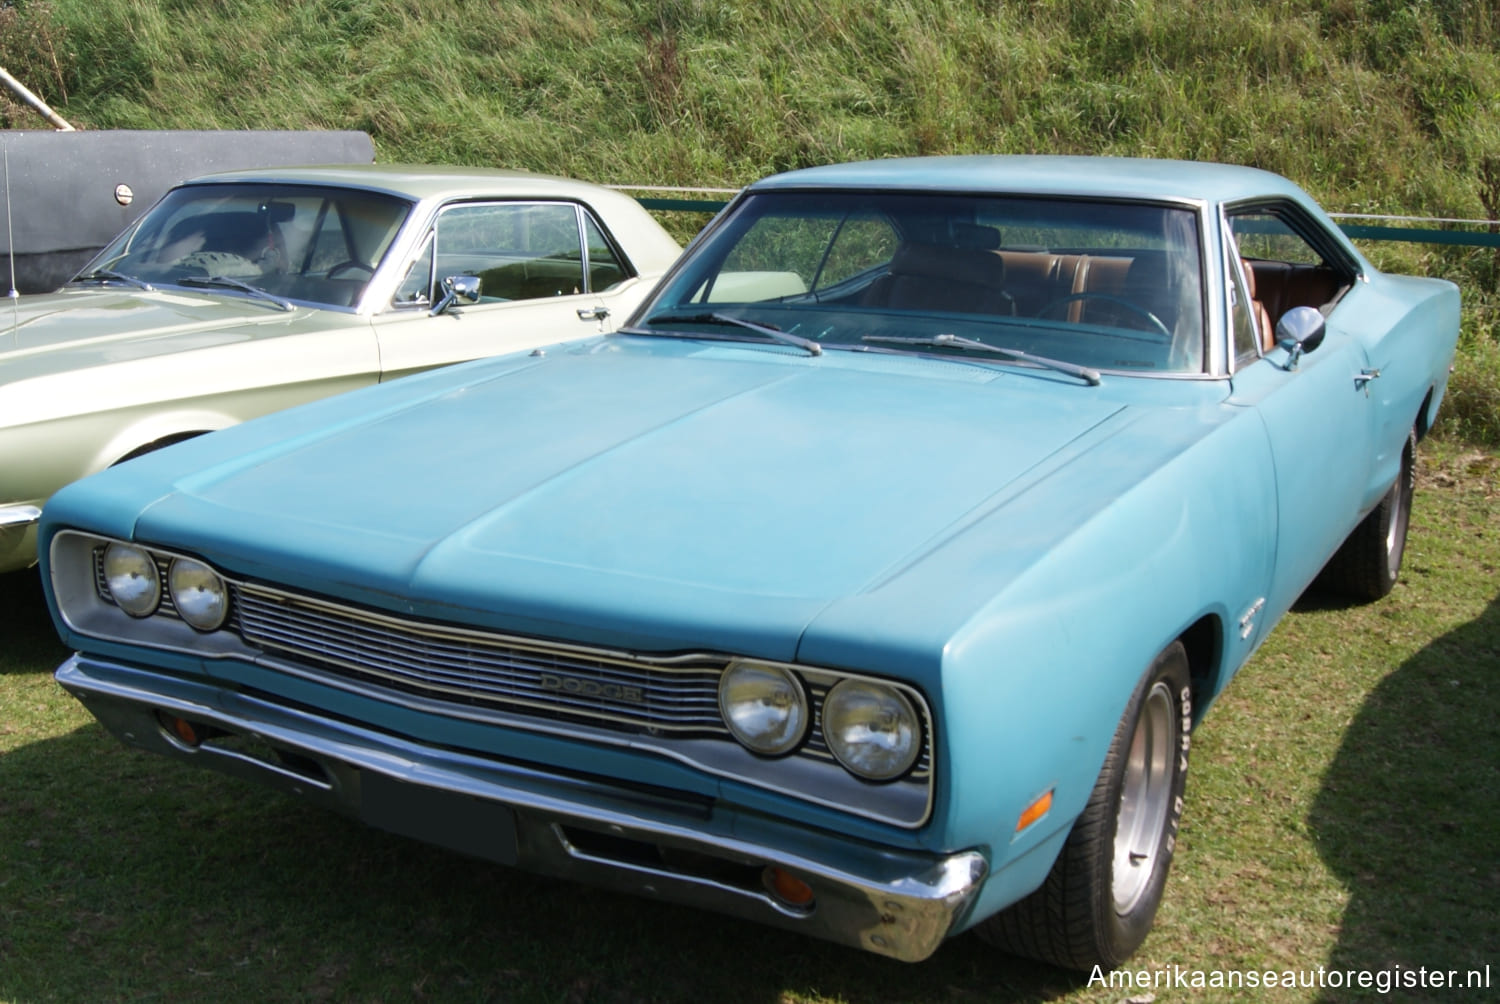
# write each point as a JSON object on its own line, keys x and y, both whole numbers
{"x": 1368, "y": 562}
{"x": 1100, "y": 899}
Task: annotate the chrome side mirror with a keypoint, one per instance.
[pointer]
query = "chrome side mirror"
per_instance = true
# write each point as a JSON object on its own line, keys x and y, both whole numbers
{"x": 1300, "y": 330}
{"x": 460, "y": 289}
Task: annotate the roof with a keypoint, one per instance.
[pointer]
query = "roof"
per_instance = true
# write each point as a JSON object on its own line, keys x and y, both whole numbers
{"x": 422, "y": 181}
{"x": 1115, "y": 177}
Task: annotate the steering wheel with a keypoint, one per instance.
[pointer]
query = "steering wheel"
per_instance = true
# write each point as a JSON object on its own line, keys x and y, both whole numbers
{"x": 345, "y": 266}
{"x": 1134, "y": 308}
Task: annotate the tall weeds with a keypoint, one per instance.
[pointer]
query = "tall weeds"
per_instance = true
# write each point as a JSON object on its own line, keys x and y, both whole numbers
{"x": 30, "y": 39}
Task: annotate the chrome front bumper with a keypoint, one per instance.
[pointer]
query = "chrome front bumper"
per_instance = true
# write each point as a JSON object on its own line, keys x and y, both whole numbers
{"x": 891, "y": 902}
{"x": 18, "y": 536}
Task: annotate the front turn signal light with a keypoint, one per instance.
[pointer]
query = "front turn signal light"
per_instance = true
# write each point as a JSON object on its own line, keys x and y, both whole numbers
{"x": 787, "y": 887}
{"x": 1036, "y": 810}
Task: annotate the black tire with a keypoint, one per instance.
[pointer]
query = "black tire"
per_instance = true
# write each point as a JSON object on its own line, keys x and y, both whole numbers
{"x": 1368, "y": 562}
{"x": 160, "y": 444}
{"x": 1100, "y": 899}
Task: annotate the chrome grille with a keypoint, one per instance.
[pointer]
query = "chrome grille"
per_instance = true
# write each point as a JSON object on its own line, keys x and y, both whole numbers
{"x": 677, "y": 696}
{"x": 486, "y": 670}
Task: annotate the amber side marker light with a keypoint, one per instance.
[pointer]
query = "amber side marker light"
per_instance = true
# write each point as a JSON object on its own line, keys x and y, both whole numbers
{"x": 1036, "y": 810}
{"x": 787, "y": 887}
{"x": 182, "y": 729}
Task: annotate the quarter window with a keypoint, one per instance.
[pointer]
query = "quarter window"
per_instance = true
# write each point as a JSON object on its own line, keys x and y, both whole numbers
{"x": 1241, "y": 320}
{"x": 606, "y": 266}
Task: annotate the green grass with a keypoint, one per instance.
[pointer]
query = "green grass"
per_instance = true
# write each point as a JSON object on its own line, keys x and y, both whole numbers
{"x": 1340, "y": 814}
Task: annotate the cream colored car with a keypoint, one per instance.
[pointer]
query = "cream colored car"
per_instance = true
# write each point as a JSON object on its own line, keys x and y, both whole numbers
{"x": 244, "y": 293}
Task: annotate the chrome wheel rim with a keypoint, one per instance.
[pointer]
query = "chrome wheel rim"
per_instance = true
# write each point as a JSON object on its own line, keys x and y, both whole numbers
{"x": 1145, "y": 799}
{"x": 1395, "y": 534}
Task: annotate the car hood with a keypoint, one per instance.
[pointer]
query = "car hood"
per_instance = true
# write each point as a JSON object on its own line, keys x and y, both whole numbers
{"x": 632, "y": 491}
{"x": 84, "y": 327}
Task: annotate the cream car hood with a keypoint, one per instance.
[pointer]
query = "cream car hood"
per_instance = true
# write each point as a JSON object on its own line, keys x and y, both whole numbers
{"x": 83, "y": 328}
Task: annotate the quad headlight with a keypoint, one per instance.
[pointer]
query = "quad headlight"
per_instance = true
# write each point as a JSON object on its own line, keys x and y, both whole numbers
{"x": 872, "y": 729}
{"x": 764, "y": 706}
{"x": 200, "y": 596}
{"x": 132, "y": 579}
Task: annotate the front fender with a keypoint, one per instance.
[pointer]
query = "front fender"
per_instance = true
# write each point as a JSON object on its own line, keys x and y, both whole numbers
{"x": 1036, "y": 682}
{"x": 157, "y": 428}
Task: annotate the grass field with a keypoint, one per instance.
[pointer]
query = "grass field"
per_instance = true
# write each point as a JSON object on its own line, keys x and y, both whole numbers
{"x": 1341, "y": 813}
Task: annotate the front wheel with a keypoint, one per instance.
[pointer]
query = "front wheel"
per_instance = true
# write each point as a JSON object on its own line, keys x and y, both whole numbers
{"x": 1100, "y": 899}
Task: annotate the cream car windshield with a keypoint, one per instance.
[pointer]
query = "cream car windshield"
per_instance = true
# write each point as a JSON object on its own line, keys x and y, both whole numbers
{"x": 309, "y": 243}
{"x": 1105, "y": 285}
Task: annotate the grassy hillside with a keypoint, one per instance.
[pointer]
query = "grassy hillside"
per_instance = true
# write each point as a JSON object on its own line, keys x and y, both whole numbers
{"x": 1375, "y": 106}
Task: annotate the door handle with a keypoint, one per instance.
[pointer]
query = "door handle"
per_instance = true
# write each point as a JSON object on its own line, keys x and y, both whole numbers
{"x": 1362, "y": 380}
{"x": 592, "y": 313}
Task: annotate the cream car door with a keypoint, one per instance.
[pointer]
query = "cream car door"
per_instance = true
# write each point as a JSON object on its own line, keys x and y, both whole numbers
{"x": 536, "y": 276}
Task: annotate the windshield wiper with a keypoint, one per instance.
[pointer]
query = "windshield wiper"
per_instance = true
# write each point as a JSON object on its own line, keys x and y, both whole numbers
{"x": 109, "y": 273}
{"x": 224, "y": 281}
{"x": 785, "y": 337}
{"x": 1090, "y": 376}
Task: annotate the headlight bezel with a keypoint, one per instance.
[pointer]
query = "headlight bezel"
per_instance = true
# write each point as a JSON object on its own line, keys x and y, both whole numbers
{"x": 826, "y": 689}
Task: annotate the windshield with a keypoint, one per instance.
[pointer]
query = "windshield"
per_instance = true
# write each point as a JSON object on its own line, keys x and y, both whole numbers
{"x": 309, "y": 243}
{"x": 1114, "y": 286}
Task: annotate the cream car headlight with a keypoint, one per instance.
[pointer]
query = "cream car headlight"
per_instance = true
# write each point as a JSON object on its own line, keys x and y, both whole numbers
{"x": 764, "y": 706}
{"x": 872, "y": 729}
{"x": 132, "y": 579}
{"x": 198, "y": 593}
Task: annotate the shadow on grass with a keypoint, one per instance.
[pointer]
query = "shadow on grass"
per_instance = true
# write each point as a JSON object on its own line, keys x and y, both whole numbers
{"x": 128, "y": 877}
{"x": 1406, "y": 817}
{"x": 28, "y": 641}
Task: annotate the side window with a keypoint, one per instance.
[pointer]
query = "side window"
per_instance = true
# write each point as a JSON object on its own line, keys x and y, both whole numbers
{"x": 1284, "y": 269}
{"x": 1264, "y": 236}
{"x": 606, "y": 267}
{"x": 328, "y": 246}
{"x": 860, "y": 244}
{"x": 519, "y": 250}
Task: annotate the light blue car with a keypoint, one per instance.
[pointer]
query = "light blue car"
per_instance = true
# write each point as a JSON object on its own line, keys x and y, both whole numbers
{"x": 868, "y": 583}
